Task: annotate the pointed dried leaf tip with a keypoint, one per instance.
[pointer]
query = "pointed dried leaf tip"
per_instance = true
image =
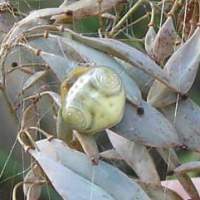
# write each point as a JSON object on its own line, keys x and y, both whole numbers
{"x": 175, "y": 185}
{"x": 58, "y": 64}
{"x": 33, "y": 79}
{"x": 183, "y": 65}
{"x": 132, "y": 153}
{"x": 157, "y": 192}
{"x": 182, "y": 68}
{"x": 164, "y": 41}
{"x": 149, "y": 40}
{"x": 160, "y": 96}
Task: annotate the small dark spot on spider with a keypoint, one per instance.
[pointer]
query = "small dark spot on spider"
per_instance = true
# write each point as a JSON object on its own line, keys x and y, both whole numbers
{"x": 183, "y": 147}
{"x": 170, "y": 173}
{"x": 51, "y": 21}
{"x": 69, "y": 13}
{"x": 184, "y": 97}
{"x": 14, "y": 9}
{"x": 179, "y": 164}
{"x": 140, "y": 111}
{"x": 14, "y": 64}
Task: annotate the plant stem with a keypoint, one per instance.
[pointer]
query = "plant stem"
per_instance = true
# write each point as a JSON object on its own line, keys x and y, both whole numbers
{"x": 174, "y": 7}
{"x": 133, "y": 23}
{"x": 151, "y": 23}
{"x": 199, "y": 9}
{"x": 101, "y": 27}
{"x": 14, "y": 194}
{"x": 123, "y": 19}
{"x": 194, "y": 20}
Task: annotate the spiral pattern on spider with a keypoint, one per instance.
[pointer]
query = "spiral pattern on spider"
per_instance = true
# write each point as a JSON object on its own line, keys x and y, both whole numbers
{"x": 77, "y": 118}
{"x": 106, "y": 81}
{"x": 95, "y": 101}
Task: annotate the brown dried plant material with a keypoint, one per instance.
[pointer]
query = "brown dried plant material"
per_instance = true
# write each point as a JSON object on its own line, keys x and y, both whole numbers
{"x": 182, "y": 68}
{"x": 183, "y": 65}
{"x": 158, "y": 192}
{"x": 186, "y": 16}
{"x": 29, "y": 118}
{"x": 132, "y": 153}
{"x": 89, "y": 146}
{"x": 149, "y": 40}
{"x": 194, "y": 19}
{"x": 73, "y": 172}
{"x": 177, "y": 187}
{"x": 184, "y": 180}
{"x": 160, "y": 96}
{"x": 163, "y": 45}
{"x": 33, "y": 181}
{"x": 84, "y": 8}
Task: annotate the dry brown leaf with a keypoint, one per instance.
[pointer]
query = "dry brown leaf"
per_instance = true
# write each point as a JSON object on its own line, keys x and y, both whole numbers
{"x": 84, "y": 8}
{"x": 164, "y": 41}
{"x": 176, "y": 186}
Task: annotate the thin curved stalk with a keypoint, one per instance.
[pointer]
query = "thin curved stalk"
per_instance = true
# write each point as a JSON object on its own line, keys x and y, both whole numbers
{"x": 124, "y": 18}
